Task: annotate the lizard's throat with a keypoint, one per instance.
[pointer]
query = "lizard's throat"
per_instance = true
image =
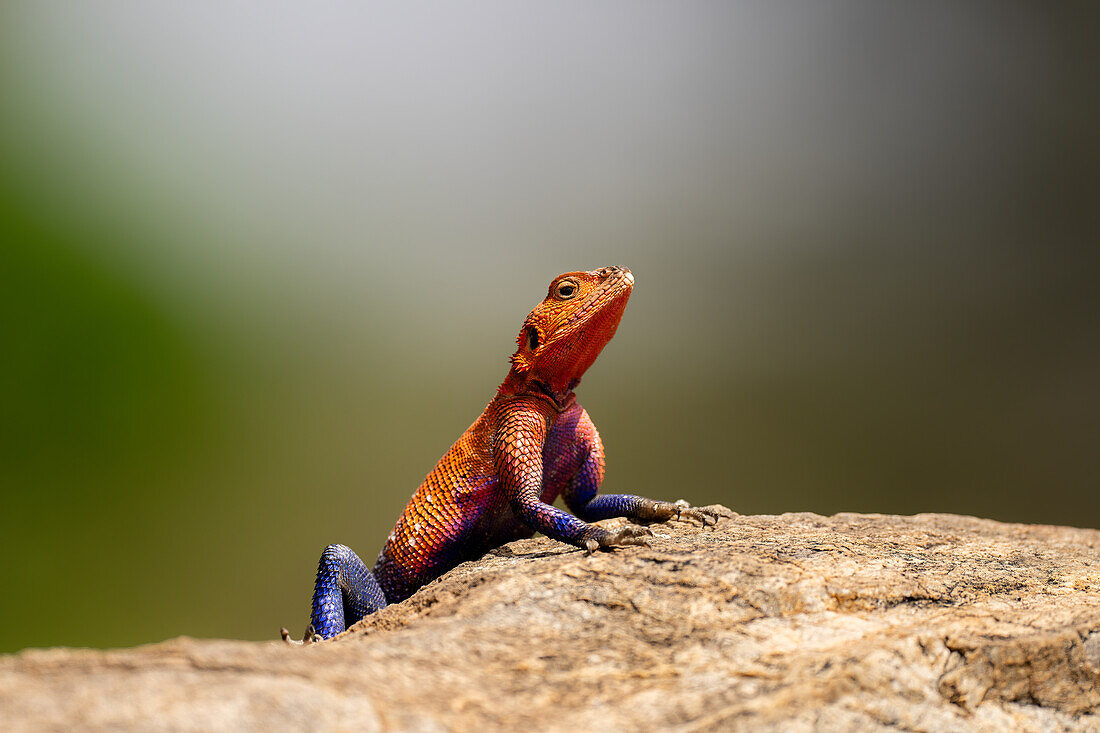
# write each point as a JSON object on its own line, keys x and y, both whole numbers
{"x": 563, "y": 365}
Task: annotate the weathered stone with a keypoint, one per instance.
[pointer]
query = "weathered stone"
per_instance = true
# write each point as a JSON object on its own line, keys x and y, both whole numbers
{"x": 785, "y": 623}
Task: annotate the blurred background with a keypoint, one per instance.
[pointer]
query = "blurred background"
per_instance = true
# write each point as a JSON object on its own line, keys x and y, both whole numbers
{"x": 261, "y": 264}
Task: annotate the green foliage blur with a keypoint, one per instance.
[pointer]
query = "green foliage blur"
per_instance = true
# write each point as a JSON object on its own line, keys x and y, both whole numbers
{"x": 259, "y": 269}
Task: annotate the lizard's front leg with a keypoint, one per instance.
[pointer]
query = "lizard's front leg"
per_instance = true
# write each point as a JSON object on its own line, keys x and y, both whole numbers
{"x": 517, "y": 458}
{"x": 580, "y": 492}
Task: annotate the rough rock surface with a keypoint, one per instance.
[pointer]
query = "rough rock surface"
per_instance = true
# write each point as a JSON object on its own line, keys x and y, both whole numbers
{"x": 792, "y": 622}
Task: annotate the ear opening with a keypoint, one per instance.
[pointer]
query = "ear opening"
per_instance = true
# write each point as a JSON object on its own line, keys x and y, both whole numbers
{"x": 532, "y": 338}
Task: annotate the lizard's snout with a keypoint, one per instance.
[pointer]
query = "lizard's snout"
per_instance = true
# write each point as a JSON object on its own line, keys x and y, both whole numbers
{"x": 623, "y": 272}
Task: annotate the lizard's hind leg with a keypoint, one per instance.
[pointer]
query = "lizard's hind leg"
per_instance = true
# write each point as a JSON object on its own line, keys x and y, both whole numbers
{"x": 345, "y": 592}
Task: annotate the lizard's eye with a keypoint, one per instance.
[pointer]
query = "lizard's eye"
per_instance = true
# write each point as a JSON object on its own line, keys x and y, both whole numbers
{"x": 566, "y": 289}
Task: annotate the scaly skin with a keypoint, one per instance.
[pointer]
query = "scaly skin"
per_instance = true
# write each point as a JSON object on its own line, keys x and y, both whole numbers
{"x": 497, "y": 482}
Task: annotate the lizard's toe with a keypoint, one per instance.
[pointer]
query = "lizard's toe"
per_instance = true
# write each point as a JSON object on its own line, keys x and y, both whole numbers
{"x": 631, "y": 534}
{"x": 310, "y": 637}
{"x": 705, "y": 515}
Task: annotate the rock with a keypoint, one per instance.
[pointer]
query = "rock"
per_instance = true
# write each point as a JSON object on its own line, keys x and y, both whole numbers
{"x": 792, "y": 622}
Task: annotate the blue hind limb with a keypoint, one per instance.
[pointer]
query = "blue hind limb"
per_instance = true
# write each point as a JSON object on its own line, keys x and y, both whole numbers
{"x": 345, "y": 592}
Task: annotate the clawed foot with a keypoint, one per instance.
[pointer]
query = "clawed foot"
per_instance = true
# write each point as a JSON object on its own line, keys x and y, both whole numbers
{"x": 631, "y": 534}
{"x": 664, "y": 511}
{"x": 703, "y": 514}
{"x": 311, "y": 636}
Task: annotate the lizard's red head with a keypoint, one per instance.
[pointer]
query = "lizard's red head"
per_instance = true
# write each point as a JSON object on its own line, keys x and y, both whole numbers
{"x": 565, "y": 333}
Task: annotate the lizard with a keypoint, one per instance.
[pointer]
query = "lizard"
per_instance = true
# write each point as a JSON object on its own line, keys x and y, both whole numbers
{"x": 498, "y": 482}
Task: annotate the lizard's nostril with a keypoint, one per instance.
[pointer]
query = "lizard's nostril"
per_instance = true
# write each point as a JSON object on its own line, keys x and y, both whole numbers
{"x": 617, "y": 270}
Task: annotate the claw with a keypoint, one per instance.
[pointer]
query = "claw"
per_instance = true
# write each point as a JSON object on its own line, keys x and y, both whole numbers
{"x": 311, "y": 636}
{"x": 292, "y": 642}
{"x": 701, "y": 516}
{"x": 705, "y": 515}
{"x": 631, "y": 534}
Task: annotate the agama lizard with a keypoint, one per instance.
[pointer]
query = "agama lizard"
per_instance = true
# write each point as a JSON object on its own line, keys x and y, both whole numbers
{"x": 497, "y": 482}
